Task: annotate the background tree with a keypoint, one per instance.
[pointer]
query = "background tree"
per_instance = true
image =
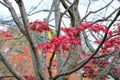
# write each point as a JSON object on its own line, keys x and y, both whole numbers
{"x": 88, "y": 48}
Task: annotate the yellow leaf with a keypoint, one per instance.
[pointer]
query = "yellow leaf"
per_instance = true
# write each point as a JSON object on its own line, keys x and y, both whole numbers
{"x": 49, "y": 35}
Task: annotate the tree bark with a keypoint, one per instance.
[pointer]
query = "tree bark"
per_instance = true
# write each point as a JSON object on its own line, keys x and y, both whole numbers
{"x": 74, "y": 54}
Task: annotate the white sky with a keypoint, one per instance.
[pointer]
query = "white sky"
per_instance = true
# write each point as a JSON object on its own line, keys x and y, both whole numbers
{"x": 28, "y": 4}
{"x": 46, "y": 4}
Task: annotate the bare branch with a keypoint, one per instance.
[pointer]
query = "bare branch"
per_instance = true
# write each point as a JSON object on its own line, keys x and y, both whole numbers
{"x": 45, "y": 10}
{"x": 36, "y": 6}
{"x": 106, "y": 19}
{"x": 5, "y": 76}
{"x": 69, "y": 10}
{"x": 37, "y": 65}
{"x": 15, "y": 17}
{"x": 4, "y": 4}
{"x": 91, "y": 12}
{"x": 88, "y": 44}
{"x": 10, "y": 68}
{"x": 104, "y": 55}
{"x": 50, "y": 64}
{"x": 23, "y": 12}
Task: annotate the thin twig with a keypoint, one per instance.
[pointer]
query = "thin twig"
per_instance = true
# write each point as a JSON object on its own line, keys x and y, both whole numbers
{"x": 104, "y": 55}
{"x": 50, "y": 64}
{"x": 91, "y": 12}
{"x": 36, "y": 6}
{"x": 105, "y": 19}
{"x": 5, "y": 77}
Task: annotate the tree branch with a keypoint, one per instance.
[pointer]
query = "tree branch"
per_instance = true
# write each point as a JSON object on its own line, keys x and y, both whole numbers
{"x": 37, "y": 65}
{"x": 88, "y": 44}
{"x": 69, "y": 10}
{"x": 35, "y": 7}
{"x": 85, "y": 61}
{"x": 51, "y": 59}
{"x": 15, "y": 17}
{"x": 91, "y": 12}
{"x": 5, "y": 76}
{"x": 104, "y": 55}
{"x": 50, "y": 64}
{"x": 108, "y": 68}
{"x": 10, "y": 68}
{"x": 4, "y": 4}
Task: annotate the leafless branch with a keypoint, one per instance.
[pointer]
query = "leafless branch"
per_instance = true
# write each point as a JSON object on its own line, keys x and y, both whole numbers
{"x": 88, "y": 44}
{"x": 91, "y": 12}
{"x": 36, "y": 6}
{"x": 37, "y": 65}
{"x": 5, "y": 77}
{"x": 106, "y": 19}
{"x": 104, "y": 55}
{"x": 88, "y": 7}
{"x": 15, "y": 17}
{"x": 4, "y": 4}
{"x": 50, "y": 64}
{"x": 10, "y": 68}
{"x": 69, "y": 10}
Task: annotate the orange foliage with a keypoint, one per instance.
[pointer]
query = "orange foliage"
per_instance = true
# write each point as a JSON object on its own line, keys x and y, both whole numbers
{"x": 23, "y": 62}
{"x": 74, "y": 76}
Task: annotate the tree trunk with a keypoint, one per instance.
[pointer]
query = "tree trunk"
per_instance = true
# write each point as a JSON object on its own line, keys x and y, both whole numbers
{"x": 74, "y": 54}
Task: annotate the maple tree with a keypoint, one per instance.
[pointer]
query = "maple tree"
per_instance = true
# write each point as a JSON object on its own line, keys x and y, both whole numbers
{"x": 85, "y": 50}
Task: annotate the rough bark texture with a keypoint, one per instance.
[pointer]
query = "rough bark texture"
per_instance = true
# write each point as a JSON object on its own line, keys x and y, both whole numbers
{"x": 74, "y": 55}
{"x": 57, "y": 25}
{"x": 38, "y": 66}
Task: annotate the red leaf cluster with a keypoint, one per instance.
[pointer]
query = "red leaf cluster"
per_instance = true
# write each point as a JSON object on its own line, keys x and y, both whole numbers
{"x": 102, "y": 62}
{"x": 65, "y": 42}
{"x": 116, "y": 72}
{"x": 84, "y": 26}
{"x": 109, "y": 45}
{"x": 38, "y": 26}
{"x": 115, "y": 30}
{"x": 91, "y": 68}
{"x": 98, "y": 28}
{"x": 6, "y": 34}
{"x": 118, "y": 26}
{"x": 94, "y": 66}
{"x": 69, "y": 40}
